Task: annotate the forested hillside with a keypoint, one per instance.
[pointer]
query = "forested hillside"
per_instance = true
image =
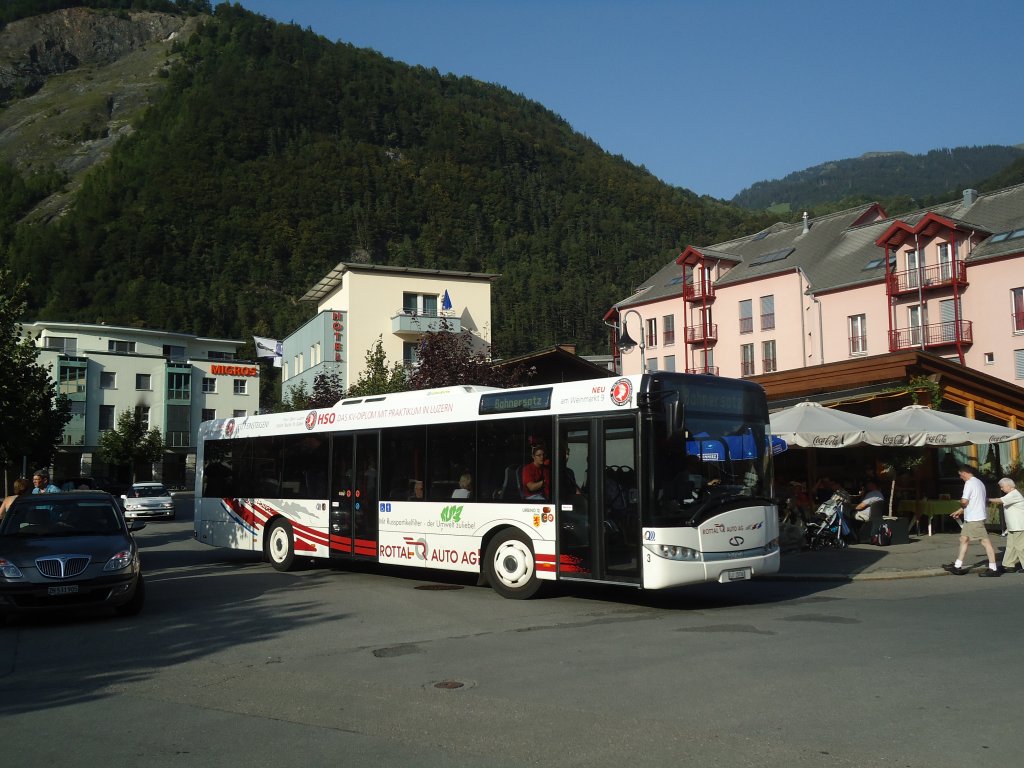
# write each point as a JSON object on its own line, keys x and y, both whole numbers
{"x": 941, "y": 174}
{"x": 273, "y": 154}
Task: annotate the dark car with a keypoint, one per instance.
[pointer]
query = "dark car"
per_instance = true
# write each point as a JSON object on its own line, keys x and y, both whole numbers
{"x": 67, "y": 551}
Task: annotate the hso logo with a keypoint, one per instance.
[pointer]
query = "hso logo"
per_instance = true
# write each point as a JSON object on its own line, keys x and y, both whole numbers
{"x": 229, "y": 428}
{"x": 311, "y": 420}
{"x": 622, "y": 391}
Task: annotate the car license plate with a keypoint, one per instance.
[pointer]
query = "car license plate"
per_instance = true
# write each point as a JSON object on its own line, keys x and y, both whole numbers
{"x": 67, "y": 589}
{"x": 738, "y": 574}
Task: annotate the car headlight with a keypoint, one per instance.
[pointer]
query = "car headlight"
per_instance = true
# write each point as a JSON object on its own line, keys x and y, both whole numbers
{"x": 120, "y": 561}
{"x": 9, "y": 570}
{"x": 672, "y": 552}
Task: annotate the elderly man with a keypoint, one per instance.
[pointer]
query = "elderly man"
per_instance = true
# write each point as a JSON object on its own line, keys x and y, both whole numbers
{"x": 974, "y": 514}
{"x": 1013, "y": 515}
{"x": 41, "y": 481}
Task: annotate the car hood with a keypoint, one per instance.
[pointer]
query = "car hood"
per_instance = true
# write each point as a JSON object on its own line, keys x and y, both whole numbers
{"x": 24, "y": 550}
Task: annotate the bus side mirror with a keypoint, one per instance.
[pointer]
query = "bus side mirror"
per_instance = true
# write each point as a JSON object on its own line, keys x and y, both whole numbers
{"x": 673, "y": 415}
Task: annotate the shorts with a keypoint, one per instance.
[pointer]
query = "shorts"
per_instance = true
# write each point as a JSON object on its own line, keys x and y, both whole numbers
{"x": 974, "y": 531}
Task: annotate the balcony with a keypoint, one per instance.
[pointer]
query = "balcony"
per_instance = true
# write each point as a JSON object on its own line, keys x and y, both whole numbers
{"x": 931, "y": 335}
{"x": 707, "y": 370}
{"x": 698, "y": 292}
{"x": 701, "y": 333}
{"x": 928, "y": 278}
{"x": 405, "y": 323}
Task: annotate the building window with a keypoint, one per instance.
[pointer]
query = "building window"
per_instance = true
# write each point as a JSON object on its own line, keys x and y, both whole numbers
{"x": 1018, "y": 363}
{"x": 669, "y": 362}
{"x": 108, "y": 380}
{"x": 179, "y": 386}
{"x": 747, "y": 360}
{"x": 652, "y": 364}
{"x": 209, "y": 414}
{"x": 410, "y": 353}
{"x": 652, "y": 333}
{"x": 143, "y": 381}
{"x": 142, "y": 414}
{"x": 213, "y": 354}
{"x": 106, "y": 417}
{"x": 767, "y": 313}
{"x": 419, "y": 304}
{"x": 747, "y": 317}
{"x": 68, "y": 346}
{"x": 915, "y": 265}
{"x": 209, "y": 385}
{"x": 241, "y": 387}
{"x": 238, "y": 413}
{"x": 178, "y": 426}
{"x": 121, "y": 347}
{"x": 668, "y": 329}
{"x": 173, "y": 352}
{"x": 945, "y": 263}
{"x": 72, "y": 379}
{"x": 858, "y": 334}
{"x": 768, "y": 360}
{"x": 1017, "y": 297}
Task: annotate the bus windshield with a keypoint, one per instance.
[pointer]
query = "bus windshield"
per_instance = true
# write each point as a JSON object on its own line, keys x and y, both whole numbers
{"x": 711, "y": 447}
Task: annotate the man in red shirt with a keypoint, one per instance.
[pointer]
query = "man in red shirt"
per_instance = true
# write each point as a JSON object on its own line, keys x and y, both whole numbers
{"x": 537, "y": 476}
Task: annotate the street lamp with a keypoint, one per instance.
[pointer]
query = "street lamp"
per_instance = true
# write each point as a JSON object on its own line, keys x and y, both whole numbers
{"x": 626, "y": 342}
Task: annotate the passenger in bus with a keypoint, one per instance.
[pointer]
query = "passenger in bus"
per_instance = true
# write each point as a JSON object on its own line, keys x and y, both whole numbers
{"x": 537, "y": 476}
{"x": 465, "y": 489}
{"x": 570, "y": 487}
{"x": 417, "y": 490}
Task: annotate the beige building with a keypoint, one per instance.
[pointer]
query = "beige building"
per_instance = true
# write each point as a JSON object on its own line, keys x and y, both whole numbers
{"x": 358, "y": 303}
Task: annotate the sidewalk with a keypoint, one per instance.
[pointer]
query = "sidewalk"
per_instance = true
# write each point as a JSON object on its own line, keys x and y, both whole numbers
{"x": 923, "y": 556}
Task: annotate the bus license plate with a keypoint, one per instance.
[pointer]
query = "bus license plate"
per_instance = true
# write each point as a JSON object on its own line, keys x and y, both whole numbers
{"x": 738, "y": 574}
{"x": 67, "y": 589}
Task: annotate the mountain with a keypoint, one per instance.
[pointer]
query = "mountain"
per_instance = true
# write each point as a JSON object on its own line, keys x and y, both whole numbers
{"x": 941, "y": 173}
{"x": 270, "y": 154}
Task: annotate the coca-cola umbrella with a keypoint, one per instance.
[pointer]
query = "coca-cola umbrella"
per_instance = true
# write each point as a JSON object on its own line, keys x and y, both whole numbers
{"x": 812, "y": 425}
{"x": 917, "y": 425}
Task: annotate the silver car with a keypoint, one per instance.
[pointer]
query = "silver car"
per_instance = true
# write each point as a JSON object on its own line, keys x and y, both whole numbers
{"x": 148, "y": 500}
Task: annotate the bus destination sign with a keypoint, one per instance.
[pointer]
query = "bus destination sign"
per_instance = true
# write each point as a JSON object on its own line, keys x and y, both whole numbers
{"x": 516, "y": 402}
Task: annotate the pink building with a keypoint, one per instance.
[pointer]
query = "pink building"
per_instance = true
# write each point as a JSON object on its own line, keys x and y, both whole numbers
{"x": 947, "y": 280}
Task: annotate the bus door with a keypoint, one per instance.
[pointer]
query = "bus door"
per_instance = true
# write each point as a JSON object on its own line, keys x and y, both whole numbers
{"x": 598, "y": 513}
{"x": 353, "y": 505}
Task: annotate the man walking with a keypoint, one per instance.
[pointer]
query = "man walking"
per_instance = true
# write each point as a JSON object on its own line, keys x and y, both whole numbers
{"x": 41, "y": 481}
{"x": 974, "y": 514}
{"x": 1013, "y": 514}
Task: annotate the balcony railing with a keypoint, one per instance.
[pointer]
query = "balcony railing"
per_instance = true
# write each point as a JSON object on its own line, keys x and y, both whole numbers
{"x": 701, "y": 333}
{"x": 858, "y": 345}
{"x": 928, "y": 278}
{"x": 1018, "y": 322}
{"x": 932, "y": 335}
{"x": 746, "y": 325}
{"x": 710, "y": 370}
{"x": 768, "y": 321}
{"x": 698, "y": 292}
{"x": 412, "y": 324}
{"x": 770, "y": 365}
{"x": 669, "y": 337}
{"x": 747, "y": 368}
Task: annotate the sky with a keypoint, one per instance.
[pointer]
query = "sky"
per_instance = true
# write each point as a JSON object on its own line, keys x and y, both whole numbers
{"x": 715, "y": 95}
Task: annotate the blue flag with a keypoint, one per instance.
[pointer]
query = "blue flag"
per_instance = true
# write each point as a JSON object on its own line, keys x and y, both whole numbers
{"x": 446, "y": 302}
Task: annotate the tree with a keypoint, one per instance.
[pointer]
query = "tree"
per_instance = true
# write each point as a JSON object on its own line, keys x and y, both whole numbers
{"x": 129, "y": 444}
{"x": 447, "y": 359}
{"x": 377, "y": 378}
{"x": 32, "y": 414}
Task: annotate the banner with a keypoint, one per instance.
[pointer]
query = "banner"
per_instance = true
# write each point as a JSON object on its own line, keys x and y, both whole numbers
{"x": 269, "y": 348}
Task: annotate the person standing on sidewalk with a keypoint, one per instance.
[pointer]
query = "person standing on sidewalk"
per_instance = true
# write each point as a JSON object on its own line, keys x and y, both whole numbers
{"x": 1013, "y": 514}
{"x": 974, "y": 512}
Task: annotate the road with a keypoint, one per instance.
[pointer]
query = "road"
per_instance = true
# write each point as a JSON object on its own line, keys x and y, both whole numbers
{"x": 232, "y": 663}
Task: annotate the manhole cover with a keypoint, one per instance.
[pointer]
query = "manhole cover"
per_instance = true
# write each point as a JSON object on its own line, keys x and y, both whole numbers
{"x": 439, "y": 586}
{"x": 449, "y": 684}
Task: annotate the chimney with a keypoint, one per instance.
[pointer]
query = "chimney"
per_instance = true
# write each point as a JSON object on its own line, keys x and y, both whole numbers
{"x": 807, "y": 227}
{"x": 970, "y": 196}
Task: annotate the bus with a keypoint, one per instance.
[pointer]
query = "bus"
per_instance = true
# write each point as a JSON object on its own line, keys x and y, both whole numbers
{"x": 651, "y": 481}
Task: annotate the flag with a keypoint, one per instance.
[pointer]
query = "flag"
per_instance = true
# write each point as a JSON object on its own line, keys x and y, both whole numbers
{"x": 268, "y": 347}
{"x": 446, "y": 302}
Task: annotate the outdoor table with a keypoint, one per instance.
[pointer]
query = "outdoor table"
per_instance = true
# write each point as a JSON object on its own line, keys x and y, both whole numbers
{"x": 916, "y": 508}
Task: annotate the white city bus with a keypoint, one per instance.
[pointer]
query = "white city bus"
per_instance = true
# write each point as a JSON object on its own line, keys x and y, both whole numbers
{"x": 652, "y": 481}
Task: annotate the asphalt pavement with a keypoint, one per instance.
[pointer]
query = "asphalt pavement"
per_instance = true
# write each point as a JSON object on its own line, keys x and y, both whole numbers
{"x": 922, "y": 556}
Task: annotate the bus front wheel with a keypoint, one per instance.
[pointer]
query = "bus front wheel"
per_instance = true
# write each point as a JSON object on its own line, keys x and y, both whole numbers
{"x": 510, "y": 565}
{"x": 280, "y": 546}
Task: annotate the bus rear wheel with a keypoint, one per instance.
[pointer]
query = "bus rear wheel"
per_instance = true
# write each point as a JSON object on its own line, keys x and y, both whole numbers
{"x": 280, "y": 546}
{"x": 510, "y": 565}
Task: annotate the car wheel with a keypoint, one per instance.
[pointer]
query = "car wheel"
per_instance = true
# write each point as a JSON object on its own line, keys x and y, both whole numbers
{"x": 280, "y": 546}
{"x": 133, "y": 606}
{"x": 510, "y": 565}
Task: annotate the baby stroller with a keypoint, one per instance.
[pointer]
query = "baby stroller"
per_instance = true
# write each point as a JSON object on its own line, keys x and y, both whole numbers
{"x": 829, "y": 529}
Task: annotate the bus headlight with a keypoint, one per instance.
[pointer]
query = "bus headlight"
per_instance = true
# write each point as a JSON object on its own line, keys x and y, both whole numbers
{"x": 672, "y": 552}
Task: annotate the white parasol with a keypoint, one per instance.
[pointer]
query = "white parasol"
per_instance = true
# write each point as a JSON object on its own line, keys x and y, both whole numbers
{"x": 811, "y": 425}
{"x": 917, "y": 425}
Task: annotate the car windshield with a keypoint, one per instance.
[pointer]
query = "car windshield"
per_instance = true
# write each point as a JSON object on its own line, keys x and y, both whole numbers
{"x": 65, "y": 518}
{"x": 144, "y": 491}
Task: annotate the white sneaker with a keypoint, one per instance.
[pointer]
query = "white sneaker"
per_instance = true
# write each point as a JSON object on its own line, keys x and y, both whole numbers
{"x": 1003, "y": 534}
